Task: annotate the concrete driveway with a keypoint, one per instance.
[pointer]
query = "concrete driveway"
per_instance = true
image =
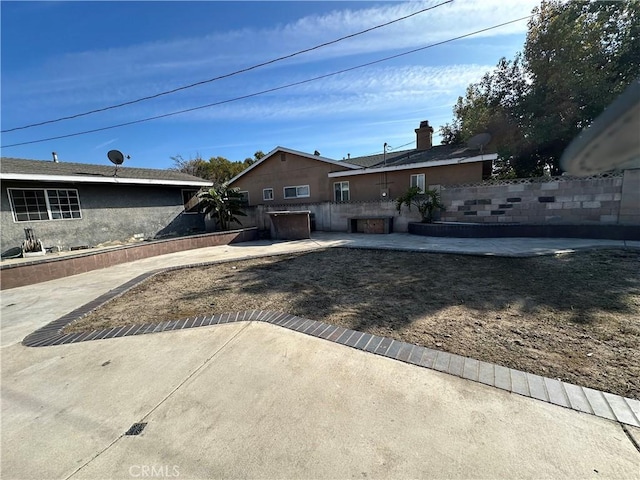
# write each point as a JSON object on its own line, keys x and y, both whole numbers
{"x": 254, "y": 400}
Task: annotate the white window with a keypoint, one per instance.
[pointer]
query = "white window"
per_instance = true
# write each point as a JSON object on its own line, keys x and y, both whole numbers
{"x": 341, "y": 191}
{"x": 44, "y": 204}
{"x": 267, "y": 194}
{"x": 417, "y": 180}
{"x": 300, "y": 191}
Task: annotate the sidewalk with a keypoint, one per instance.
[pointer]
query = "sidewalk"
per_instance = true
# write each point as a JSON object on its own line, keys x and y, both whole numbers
{"x": 257, "y": 400}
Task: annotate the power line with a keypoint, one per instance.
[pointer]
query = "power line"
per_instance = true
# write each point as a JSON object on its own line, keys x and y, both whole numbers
{"x": 390, "y": 149}
{"x": 226, "y": 75}
{"x": 270, "y": 90}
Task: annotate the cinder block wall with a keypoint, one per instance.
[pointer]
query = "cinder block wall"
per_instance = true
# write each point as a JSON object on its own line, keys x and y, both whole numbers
{"x": 566, "y": 200}
{"x": 630, "y": 201}
{"x": 334, "y": 217}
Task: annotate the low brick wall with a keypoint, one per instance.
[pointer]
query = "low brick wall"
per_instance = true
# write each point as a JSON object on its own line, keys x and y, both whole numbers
{"x": 44, "y": 269}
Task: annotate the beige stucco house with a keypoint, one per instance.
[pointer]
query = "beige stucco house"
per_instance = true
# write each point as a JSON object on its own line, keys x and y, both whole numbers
{"x": 286, "y": 176}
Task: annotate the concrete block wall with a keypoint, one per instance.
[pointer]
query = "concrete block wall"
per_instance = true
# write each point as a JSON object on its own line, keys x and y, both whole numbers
{"x": 558, "y": 200}
{"x": 334, "y": 217}
{"x": 630, "y": 201}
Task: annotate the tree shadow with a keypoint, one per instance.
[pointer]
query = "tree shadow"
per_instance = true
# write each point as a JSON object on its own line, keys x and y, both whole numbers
{"x": 377, "y": 287}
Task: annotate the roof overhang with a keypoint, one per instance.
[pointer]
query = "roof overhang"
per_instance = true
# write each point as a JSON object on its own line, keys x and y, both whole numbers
{"x": 413, "y": 166}
{"x": 28, "y": 177}
{"x": 294, "y": 152}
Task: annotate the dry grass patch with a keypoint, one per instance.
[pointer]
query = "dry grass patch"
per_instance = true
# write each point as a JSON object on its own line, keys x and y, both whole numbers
{"x": 574, "y": 316}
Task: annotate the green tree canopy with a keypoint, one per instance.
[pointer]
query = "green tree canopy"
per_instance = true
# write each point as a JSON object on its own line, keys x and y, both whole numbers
{"x": 578, "y": 56}
{"x": 217, "y": 169}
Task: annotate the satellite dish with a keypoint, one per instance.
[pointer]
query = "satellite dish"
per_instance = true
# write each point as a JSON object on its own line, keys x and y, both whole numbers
{"x": 116, "y": 157}
{"x": 611, "y": 141}
{"x": 477, "y": 142}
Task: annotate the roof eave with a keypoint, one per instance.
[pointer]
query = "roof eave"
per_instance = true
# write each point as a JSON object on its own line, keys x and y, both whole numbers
{"x": 294, "y": 152}
{"x": 111, "y": 180}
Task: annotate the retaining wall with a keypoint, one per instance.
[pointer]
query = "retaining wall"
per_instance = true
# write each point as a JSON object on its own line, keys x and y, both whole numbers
{"x": 43, "y": 269}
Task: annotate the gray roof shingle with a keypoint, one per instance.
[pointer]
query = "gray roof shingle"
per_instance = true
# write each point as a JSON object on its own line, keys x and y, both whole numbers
{"x": 371, "y": 160}
{"x": 41, "y": 167}
{"x": 407, "y": 157}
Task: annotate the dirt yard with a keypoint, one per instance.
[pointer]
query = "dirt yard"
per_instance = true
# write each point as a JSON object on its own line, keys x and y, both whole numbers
{"x": 575, "y": 317}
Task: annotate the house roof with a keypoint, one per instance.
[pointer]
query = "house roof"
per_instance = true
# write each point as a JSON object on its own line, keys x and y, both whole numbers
{"x": 414, "y": 163}
{"x": 407, "y": 157}
{"x": 368, "y": 161}
{"x": 294, "y": 152}
{"x": 48, "y": 171}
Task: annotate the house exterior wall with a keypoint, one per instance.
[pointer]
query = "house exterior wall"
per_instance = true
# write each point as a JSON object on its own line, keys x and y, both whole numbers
{"x": 609, "y": 199}
{"x": 294, "y": 171}
{"x": 109, "y": 213}
{"x": 367, "y": 187}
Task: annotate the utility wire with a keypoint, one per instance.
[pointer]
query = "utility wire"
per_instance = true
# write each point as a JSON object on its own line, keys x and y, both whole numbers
{"x": 270, "y": 90}
{"x": 226, "y": 75}
{"x": 389, "y": 149}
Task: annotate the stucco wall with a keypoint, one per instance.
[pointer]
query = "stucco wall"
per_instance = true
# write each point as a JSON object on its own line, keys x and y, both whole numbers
{"x": 610, "y": 199}
{"x": 293, "y": 171}
{"x": 367, "y": 187}
{"x": 109, "y": 213}
{"x": 296, "y": 170}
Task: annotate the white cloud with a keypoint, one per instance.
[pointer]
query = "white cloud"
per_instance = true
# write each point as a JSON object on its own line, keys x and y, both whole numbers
{"x": 370, "y": 90}
{"x": 104, "y": 144}
{"x": 151, "y": 67}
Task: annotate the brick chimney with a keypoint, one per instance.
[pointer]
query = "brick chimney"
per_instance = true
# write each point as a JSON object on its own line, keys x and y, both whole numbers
{"x": 424, "y": 136}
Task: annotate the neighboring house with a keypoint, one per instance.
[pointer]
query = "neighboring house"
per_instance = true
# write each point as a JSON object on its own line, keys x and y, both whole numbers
{"x": 286, "y": 176}
{"x": 75, "y": 204}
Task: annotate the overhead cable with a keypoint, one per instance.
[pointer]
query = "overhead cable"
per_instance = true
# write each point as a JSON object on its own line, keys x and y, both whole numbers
{"x": 226, "y": 75}
{"x": 270, "y": 90}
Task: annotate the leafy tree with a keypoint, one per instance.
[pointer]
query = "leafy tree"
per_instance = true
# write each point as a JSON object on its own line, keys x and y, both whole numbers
{"x": 426, "y": 202}
{"x": 256, "y": 156}
{"x": 216, "y": 169}
{"x": 578, "y": 56}
{"x": 223, "y": 204}
{"x": 194, "y": 166}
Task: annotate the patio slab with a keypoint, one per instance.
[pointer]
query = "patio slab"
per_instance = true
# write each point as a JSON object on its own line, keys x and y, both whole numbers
{"x": 259, "y": 401}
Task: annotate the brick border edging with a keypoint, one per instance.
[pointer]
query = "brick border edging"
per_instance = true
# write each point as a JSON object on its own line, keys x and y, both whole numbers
{"x": 594, "y": 402}
{"x": 52, "y": 333}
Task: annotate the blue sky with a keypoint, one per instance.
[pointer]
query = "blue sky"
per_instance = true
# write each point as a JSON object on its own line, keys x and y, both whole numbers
{"x": 65, "y": 58}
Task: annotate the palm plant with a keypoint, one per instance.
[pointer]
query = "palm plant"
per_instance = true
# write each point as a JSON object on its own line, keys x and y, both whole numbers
{"x": 223, "y": 204}
{"x": 426, "y": 202}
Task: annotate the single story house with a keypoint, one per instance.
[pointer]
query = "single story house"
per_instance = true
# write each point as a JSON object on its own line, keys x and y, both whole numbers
{"x": 286, "y": 176}
{"x": 74, "y": 204}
